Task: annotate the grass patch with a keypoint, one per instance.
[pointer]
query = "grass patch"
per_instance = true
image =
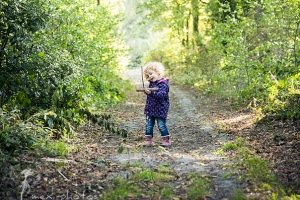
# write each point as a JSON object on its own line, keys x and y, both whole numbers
{"x": 147, "y": 175}
{"x": 228, "y": 175}
{"x": 122, "y": 190}
{"x": 55, "y": 148}
{"x": 166, "y": 193}
{"x": 231, "y": 146}
{"x": 158, "y": 183}
{"x": 257, "y": 171}
{"x": 135, "y": 164}
{"x": 161, "y": 173}
{"x": 238, "y": 195}
{"x": 199, "y": 186}
{"x": 143, "y": 183}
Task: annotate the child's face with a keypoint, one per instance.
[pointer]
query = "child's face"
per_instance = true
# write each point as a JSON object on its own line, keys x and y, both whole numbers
{"x": 152, "y": 76}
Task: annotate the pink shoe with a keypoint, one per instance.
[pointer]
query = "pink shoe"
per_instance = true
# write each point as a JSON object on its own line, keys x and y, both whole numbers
{"x": 165, "y": 142}
{"x": 148, "y": 141}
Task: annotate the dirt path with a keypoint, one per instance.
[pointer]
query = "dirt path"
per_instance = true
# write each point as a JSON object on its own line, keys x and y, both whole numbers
{"x": 199, "y": 125}
{"x": 194, "y": 138}
{"x": 90, "y": 171}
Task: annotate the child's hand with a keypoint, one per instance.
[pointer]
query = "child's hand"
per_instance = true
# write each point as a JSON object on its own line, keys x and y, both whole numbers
{"x": 147, "y": 91}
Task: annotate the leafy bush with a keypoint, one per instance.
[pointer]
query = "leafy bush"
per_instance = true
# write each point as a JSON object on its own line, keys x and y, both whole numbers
{"x": 17, "y": 134}
{"x": 233, "y": 50}
{"x": 56, "y": 61}
{"x": 283, "y": 100}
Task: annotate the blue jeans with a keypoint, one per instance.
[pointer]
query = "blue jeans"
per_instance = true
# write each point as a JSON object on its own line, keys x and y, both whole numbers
{"x": 161, "y": 123}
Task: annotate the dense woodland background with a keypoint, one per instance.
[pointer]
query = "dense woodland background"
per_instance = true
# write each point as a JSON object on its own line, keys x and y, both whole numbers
{"x": 61, "y": 61}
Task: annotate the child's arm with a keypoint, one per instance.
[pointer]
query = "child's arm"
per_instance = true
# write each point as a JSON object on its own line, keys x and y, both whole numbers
{"x": 161, "y": 93}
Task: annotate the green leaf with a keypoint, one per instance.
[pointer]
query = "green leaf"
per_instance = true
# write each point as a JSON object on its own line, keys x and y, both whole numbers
{"x": 41, "y": 54}
{"x": 50, "y": 123}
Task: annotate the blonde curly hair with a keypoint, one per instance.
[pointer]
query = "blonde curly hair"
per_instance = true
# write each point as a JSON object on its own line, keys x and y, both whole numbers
{"x": 155, "y": 66}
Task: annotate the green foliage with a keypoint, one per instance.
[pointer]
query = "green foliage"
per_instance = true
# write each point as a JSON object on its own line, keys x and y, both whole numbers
{"x": 256, "y": 170}
{"x": 20, "y": 57}
{"x": 236, "y": 51}
{"x": 221, "y": 10}
{"x": 230, "y": 146}
{"x": 121, "y": 190}
{"x": 54, "y": 148}
{"x": 259, "y": 170}
{"x": 166, "y": 193}
{"x": 57, "y": 61}
{"x": 283, "y": 98}
{"x": 199, "y": 186}
{"x": 147, "y": 175}
{"x": 239, "y": 195}
{"x": 237, "y": 145}
{"x": 228, "y": 175}
{"x": 156, "y": 183}
{"x": 292, "y": 197}
{"x": 106, "y": 121}
{"x": 253, "y": 49}
{"x": 16, "y": 134}
{"x": 153, "y": 175}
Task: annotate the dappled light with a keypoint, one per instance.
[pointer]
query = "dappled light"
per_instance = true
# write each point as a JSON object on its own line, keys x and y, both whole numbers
{"x": 246, "y": 119}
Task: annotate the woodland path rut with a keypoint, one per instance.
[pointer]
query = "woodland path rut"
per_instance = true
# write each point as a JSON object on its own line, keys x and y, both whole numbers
{"x": 194, "y": 136}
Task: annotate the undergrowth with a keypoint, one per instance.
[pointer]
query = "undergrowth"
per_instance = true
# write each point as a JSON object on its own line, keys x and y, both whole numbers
{"x": 158, "y": 183}
{"x": 256, "y": 170}
{"x": 54, "y": 148}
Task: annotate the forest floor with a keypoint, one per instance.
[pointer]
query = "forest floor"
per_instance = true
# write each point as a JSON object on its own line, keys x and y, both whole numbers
{"x": 107, "y": 166}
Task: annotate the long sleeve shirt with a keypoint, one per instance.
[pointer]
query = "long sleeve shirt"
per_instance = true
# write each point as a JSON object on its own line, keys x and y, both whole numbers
{"x": 158, "y": 102}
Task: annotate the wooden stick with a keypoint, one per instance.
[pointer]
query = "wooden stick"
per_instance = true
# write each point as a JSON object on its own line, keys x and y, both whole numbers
{"x": 142, "y": 76}
{"x": 143, "y": 89}
{"x": 63, "y": 175}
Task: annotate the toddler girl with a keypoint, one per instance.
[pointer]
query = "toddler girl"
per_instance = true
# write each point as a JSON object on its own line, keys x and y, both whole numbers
{"x": 157, "y": 103}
